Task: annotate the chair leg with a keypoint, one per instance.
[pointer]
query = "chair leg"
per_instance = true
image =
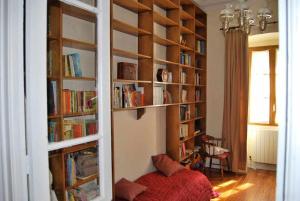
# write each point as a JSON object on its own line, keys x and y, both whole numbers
{"x": 228, "y": 165}
{"x": 222, "y": 172}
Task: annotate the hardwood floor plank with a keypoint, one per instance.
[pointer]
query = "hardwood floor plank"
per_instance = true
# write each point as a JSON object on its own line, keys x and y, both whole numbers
{"x": 257, "y": 185}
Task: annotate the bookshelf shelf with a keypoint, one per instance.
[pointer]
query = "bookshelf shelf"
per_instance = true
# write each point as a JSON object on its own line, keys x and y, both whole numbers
{"x": 123, "y": 53}
{"x": 79, "y": 182}
{"x": 200, "y": 37}
{"x": 200, "y": 69}
{"x": 166, "y": 83}
{"x": 53, "y": 78}
{"x": 185, "y": 30}
{"x": 78, "y": 12}
{"x": 190, "y": 120}
{"x": 72, "y": 142}
{"x": 163, "y": 41}
{"x": 54, "y": 116}
{"x": 132, "y": 81}
{"x": 185, "y": 16}
{"x": 163, "y": 20}
{"x": 198, "y": 23}
{"x": 200, "y": 54}
{"x": 80, "y": 78}
{"x": 50, "y": 37}
{"x": 162, "y": 61}
{"x": 79, "y": 114}
{"x": 126, "y": 28}
{"x": 186, "y": 48}
{"x": 201, "y": 85}
{"x": 133, "y": 5}
{"x": 187, "y": 66}
{"x": 165, "y": 4}
{"x": 79, "y": 44}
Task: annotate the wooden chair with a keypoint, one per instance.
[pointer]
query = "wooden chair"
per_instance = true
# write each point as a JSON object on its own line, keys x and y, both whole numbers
{"x": 207, "y": 144}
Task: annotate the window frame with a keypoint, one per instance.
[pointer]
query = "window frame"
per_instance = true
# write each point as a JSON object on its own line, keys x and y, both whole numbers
{"x": 272, "y": 62}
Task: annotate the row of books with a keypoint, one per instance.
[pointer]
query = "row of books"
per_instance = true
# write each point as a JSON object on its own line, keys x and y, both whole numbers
{"x": 197, "y": 95}
{"x": 185, "y": 58}
{"x": 128, "y": 95}
{"x": 79, "y": 128}
{"x": 183, "y": 131}
{"x": 183, "y": 77}
{"x": 85, "y": 192}
{"x": 197, "y": 78}
{"x": 72, "y": 65}
{"x": 184, "y": 94}
{"x": 81, "y": 165}
{"x": 200, "y": 47}
{"x": 161, "y": 96}
{"x": 72, "y": 129}
{"x": 185, "y": 112}
{"x": 52, "y": 97}
{"x": 79, "y": 101}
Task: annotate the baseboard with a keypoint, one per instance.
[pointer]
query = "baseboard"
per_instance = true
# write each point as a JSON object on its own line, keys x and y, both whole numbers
{"x": 262, "y": 166}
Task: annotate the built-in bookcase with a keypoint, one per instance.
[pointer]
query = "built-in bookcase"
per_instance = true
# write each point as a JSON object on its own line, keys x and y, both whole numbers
{"x": 168, "y": 35}
{"x": 73, "y": 99}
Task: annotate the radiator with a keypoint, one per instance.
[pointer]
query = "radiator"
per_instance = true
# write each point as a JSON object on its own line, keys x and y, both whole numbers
{"x": 263, "y": 144}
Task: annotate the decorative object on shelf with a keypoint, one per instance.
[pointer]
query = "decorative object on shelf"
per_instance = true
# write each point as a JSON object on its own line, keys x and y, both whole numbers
{"x": 126, "y": 71}
{"x": 244, "y": 16}
{"x": 167, "y": 97}
{"x": 162, "y": 75}
{"x": 170, "y": 77}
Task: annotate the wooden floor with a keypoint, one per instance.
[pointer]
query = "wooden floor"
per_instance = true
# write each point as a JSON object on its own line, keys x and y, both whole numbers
{"x": 257, "y": 185}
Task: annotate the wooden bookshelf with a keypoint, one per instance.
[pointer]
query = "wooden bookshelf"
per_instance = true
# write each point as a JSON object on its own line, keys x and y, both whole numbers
{"x": 132, "y": 5}
{"x": 165, "y": 4}
{"x": 181, "y": 19}
{"x": 163, "y": 20}
{"x": 123, "y": 53}
{"x": 126, "y": 28}
{"x": 61, "y": 44}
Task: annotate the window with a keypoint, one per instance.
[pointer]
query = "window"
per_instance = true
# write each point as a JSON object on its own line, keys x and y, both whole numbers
{"x": 263, "y": 84}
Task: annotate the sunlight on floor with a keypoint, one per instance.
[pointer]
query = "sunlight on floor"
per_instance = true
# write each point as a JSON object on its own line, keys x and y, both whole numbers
{"x": 232, "y": 191}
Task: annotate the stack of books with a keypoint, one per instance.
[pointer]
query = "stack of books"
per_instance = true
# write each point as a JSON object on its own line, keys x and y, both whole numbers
{"x": 72, "y": 65}
{"x": 128, "y": 95}
{"x": 79, "y": 128}
{"x": 79, "y": 101}
{"x": 185, "y": 58}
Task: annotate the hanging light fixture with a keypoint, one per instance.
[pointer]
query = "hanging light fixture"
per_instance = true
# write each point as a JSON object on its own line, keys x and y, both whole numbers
{"x": 244, "y": 17}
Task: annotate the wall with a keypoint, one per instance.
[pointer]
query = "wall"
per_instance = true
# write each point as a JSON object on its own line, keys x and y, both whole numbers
{"x": 135, "y": 141}
{"x": 216, "y": 62}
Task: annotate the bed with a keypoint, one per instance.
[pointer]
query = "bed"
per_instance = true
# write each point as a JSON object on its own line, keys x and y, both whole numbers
{"x": 184, "y": 185}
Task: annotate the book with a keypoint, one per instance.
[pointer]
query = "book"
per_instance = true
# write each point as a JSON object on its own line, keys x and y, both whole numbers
{"x": 52, "y": 131}
{"x": 185, "y": 113}
{"x": 128, "y": 95}
{"x": 127, "y": 71}
{"x": 183, "y": 77}
{"x": 158, "y": 95}
{"x": 52, "y": 97}
{"x": 72, "y": 67}
{"x": 183, "y": 131}
{"x": 184, "y": 95}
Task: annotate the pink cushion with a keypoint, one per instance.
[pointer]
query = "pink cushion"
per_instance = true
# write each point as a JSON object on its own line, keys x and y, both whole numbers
{"x": 128, "y": 190}
{"x": 166, "y": 165}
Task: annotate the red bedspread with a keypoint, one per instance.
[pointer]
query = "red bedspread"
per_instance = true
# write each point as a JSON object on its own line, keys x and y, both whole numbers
{"x": 185, "y": 185}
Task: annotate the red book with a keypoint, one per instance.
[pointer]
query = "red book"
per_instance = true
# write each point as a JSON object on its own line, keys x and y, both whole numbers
{"x": 77, "y": 130}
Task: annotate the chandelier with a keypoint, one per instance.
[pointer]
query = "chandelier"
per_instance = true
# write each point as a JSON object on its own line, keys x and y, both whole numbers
{"x": 242, "y": 17}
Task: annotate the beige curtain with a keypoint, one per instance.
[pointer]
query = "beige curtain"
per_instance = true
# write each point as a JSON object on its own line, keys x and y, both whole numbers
{"x": 235, "y": 114}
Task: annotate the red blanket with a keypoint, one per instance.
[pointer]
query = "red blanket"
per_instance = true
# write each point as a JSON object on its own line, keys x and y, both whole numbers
{"x": 185, "y": 185}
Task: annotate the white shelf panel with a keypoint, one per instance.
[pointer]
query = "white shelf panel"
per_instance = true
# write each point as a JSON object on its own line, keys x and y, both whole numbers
{"x": 68, "y": 143}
